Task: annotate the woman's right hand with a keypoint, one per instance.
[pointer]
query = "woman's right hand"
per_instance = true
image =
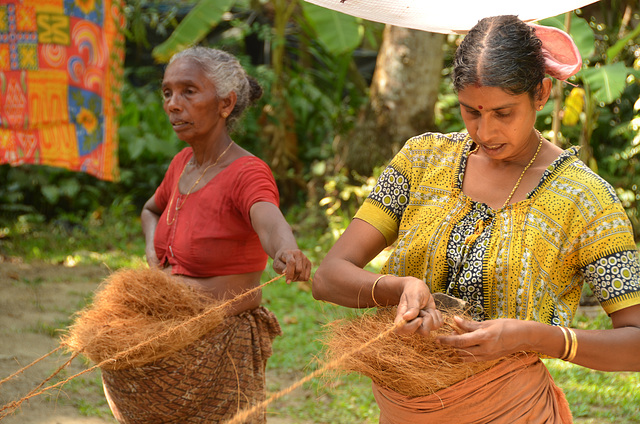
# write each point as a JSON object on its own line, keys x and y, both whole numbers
{"x": 418, "y": 308}
{"x": 293, "y": 263}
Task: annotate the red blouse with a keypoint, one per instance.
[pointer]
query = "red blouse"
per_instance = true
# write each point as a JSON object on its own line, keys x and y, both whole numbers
{"x": 211, "y": 232}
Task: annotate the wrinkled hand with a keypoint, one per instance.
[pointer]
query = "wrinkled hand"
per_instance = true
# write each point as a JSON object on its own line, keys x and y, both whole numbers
{"x": 418, "y": 308}
{"x": 487, "y": 340}
{"x": 293, "y": 263}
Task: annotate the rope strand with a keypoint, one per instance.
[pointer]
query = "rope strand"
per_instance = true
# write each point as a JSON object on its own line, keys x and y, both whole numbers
{"x": 23, "y": 369}
{"x": 242, "y": 417}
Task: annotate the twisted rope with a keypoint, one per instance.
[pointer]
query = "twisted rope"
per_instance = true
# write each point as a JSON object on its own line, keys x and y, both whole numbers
{"x": 23, "y": 369}
{"x": 243, "y": 416}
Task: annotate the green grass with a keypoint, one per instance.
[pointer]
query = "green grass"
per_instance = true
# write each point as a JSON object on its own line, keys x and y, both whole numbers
{"x": 605, "y": 397}
{"x": 116, "y": 241}
{"x": 298, "y": 352}
{"x": 85, "y": 393}
{"x": 111, "y": 237}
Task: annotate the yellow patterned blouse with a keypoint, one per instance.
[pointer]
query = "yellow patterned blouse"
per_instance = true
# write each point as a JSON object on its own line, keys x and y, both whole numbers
{"x": 530, "y": 259}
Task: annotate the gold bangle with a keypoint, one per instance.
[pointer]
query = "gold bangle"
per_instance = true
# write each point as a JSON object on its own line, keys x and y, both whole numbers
{"x": 574, "y": 346}
{"x": 567, "y": 343}
{"x": 373, "y": 288}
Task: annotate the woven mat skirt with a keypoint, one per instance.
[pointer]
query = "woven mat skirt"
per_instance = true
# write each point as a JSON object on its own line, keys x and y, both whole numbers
{"x": 210, "y": 381}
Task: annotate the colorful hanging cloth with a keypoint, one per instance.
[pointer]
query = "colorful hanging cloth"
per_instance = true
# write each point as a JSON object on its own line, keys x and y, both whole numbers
{"x": 60, "y": 74}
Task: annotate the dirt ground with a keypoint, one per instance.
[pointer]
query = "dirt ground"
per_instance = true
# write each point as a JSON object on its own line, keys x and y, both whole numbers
{"x": 35, "y": 300}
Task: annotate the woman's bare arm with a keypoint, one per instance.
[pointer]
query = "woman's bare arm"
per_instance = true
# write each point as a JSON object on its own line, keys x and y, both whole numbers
{"x": 342, "y": 279}
{"x": 149, "y": 219}
{"x": 278, "y": 241}
{"x": 606, "y": 350}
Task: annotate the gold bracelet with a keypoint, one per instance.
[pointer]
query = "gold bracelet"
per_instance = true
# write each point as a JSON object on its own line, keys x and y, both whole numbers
{"x": 374, "y": 287}
{"x": 574, "y": 346}
{"x": 567, "y": 343}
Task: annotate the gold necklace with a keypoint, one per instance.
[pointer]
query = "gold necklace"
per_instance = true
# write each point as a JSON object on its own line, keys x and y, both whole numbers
{"x": 533, "y": 159}
{"x": 179, "y": 206}
{"x": 480, "y": 224}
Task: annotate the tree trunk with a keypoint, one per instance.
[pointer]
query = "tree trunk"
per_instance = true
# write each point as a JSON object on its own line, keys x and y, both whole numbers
{"x": 403, "y": 94}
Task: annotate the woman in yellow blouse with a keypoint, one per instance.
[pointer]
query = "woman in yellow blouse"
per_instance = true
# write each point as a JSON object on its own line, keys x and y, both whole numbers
{"x": 505, "y": 220}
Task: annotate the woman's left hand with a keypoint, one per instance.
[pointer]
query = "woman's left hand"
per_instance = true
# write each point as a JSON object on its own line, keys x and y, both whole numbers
{"x": 293, "y": 263}
{"x": 487, "y": 340}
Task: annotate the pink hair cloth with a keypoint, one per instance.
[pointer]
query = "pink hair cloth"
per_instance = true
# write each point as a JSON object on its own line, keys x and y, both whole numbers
{"x": 562, "y": 58}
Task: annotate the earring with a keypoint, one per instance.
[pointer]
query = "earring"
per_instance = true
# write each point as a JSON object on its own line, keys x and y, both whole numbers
{"x": 540, "y": 107}
{"x": 225, "y": 114}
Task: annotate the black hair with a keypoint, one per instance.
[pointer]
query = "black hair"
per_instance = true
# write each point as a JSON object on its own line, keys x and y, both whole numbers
{"x": 500, "y": 51}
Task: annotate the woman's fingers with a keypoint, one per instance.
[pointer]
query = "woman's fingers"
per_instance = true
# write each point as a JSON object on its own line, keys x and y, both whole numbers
{"x": 427, "y": 321}
{"x": 294, "y": 264}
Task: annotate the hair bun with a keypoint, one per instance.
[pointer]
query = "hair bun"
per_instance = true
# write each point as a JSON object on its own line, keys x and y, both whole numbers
{"x": 255, "y": 90}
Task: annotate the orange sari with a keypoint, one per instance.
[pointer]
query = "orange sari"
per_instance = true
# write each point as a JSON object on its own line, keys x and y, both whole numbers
{"x": 518, "y": 389}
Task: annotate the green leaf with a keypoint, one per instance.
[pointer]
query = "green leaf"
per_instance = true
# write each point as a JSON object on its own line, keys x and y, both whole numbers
{"x": 580, "y": 31}
{"x": 338, "y": 32}
{"x": 51, "y": 193}
{"x": 614, "y": 51}
{"x": 606, "y": 82}
{"x": 193, "y": 28}
{"x": 69, "y": 187}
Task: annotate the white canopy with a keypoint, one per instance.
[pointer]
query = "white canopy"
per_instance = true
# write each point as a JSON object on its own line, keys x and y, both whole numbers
{"x": 448, "y": 16}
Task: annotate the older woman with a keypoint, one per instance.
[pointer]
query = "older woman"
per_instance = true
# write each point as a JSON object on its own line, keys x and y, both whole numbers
{"x": 211, "y": 223}
{"x": 505, "y": 220}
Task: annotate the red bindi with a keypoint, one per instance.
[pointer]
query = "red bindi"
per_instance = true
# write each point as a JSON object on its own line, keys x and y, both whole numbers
{"x": 480, "y": 107}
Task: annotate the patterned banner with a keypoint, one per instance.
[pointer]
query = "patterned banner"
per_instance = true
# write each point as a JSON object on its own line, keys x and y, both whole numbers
{"x": 60, "y": 74}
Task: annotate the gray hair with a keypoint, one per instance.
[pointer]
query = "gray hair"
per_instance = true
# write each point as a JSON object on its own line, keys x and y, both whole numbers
{"x": 503, "y": 52}
{"x": 227, "y": 75}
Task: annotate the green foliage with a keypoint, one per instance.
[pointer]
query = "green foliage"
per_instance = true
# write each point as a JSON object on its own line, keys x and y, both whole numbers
{"x": 343, "y": 198}
{"x": 607, "y": 126}
{"x": 194, "y": 27}
{"x": 606, "y": 82}
{"x": 605, "y": 397}
{"x": 147, "y": 141}
{"x": 338, "y": 32}
{"x": 108, "y": 236}
{"x": 43, "y": 192}
{"x": 148, "y": 17}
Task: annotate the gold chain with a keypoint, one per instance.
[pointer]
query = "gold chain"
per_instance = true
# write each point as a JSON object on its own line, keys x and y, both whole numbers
{"x": 178, "y": 207}
{"x": 533, "y": 159}
{"x": 480, "y": 224}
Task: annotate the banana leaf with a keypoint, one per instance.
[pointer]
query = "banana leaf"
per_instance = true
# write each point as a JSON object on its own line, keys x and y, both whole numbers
{"x": 337, "y": 32}
{"x": 194, "y": 27}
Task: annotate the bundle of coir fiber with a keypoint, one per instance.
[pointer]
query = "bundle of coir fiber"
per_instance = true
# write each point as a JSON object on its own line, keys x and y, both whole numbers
{"x": 139, "y": 316}
{"x": 411, "y": 365}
